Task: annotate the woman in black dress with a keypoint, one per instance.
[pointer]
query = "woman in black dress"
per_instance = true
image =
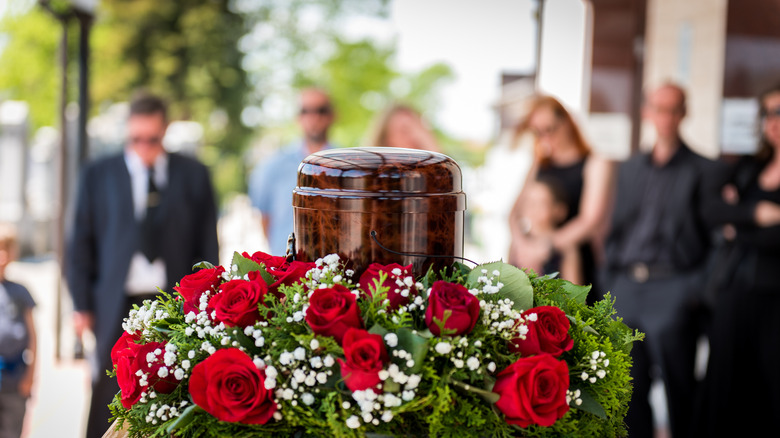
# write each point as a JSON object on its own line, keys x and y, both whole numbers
{"x": 742, "y": 389}
{"x": 561, "y": 153}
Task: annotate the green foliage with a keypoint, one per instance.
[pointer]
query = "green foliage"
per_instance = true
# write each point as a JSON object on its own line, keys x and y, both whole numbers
{"x": 212, "y": 59}
{"x": 516, "y": 285}
{"x": 30, "y": 63}
{"x": 363, "y": 81}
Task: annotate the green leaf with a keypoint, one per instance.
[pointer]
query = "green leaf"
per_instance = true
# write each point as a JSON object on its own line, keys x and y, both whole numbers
{"x": 377, "y": 329}
{"x": 390, "y": 385}
{"x": 586, "y": 328}
{"x": 517, "y": 286}
{"x": 589, "y": 404}
{"x": 459, "y": 268}
{"x": 184, "y": 419}
{"x": 244, "y": 266}
{"x": 488, "y": 396}
{"x": 575, "y": 291}
{"x": 415, "y": 344}
{"x": 202, "y": 265}
{"x": 443, "y": 331}
{"x": 409, "y": 341}
{"x": 550, "y": 276}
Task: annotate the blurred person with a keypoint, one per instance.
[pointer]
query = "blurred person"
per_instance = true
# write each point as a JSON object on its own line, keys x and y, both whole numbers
{"x": 401, "y": 126}
{"x": 655, "y": 258}
{"x": 143, "y": 218}
{"x": 272, "y": 182}
{"x": 17, "y": 342}
{"x": 561, "y": 153}
{"x": 545, "y": 210}
{"x": 741, "y": 386}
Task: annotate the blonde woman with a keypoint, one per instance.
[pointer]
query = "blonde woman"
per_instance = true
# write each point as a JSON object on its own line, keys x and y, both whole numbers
{"x": 401, "y": 126}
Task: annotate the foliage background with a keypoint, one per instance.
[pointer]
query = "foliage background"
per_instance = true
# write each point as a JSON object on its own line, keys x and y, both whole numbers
{"x": 231, "y": 65}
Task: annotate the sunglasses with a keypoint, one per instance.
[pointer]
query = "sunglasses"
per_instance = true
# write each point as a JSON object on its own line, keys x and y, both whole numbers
{"x": 320, "y": 110}
{"x": 145, "y": 140}
{"x": 772, "y": 113}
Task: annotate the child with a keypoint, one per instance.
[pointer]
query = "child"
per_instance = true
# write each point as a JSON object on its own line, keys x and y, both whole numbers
{"x": 545, "y": 209}
{"x": 17, "y": 342}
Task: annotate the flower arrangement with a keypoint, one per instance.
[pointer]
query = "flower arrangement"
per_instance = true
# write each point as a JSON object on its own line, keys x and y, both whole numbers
{"x": 268, "y": 347}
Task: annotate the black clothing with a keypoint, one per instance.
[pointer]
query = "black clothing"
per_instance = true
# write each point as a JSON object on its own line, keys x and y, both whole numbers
{"x": 570, "y": 179}
{"x": 654, "y": 255}
{"x": 739, "y": 396}
{"x": 679, "y": 234}
{"x": 106, "y": 235}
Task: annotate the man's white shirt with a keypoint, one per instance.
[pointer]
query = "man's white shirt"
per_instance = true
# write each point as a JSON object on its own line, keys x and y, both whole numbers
{"x": 144, "y": 277}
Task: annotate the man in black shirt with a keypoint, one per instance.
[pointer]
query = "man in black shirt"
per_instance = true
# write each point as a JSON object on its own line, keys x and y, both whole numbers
{"x": 654, "y": 257}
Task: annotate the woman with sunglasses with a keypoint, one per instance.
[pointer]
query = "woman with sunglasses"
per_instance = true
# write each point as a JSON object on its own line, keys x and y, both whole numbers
{"x": 561, "y": 153}
{"x": 741, "y": 394}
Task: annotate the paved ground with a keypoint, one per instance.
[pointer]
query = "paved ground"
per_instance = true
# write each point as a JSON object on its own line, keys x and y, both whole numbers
{"x": 58, "y": 405}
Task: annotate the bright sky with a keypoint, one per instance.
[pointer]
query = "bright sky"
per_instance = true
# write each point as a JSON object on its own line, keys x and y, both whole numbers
{"x": 478, "y": 40}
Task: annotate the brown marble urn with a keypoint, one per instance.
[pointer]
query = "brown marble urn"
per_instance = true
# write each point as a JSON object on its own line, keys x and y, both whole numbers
{"x": 410, "y": 199}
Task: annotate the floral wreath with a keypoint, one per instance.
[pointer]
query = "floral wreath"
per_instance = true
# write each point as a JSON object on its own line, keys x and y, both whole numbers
{"x": 269, "y": 347}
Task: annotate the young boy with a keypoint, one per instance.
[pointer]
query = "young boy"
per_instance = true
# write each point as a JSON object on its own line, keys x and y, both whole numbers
{"x": 17, "y": 342}
{"x": 545, "y": 209}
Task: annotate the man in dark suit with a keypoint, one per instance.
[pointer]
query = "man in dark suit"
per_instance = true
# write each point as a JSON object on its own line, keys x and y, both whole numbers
{"x": 655, "y": 255}
{"x": 143, "y": 218}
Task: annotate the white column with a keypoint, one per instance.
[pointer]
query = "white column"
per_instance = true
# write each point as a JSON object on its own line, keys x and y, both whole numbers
{"x": 565, "y": 58}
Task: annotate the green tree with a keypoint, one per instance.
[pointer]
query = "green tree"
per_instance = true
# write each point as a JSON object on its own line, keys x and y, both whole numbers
{"x": 363, "y": 80}
{"x": 224, "y": 63}
{"x": 29, "y": 63}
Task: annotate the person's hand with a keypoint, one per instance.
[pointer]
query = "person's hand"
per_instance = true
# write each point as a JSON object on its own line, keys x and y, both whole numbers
{"x": 730, "y": 194}
{"x": 83, "y": 321}
{"x": 767, "y": 214}
{"x": 25, "y": 384}
{"x": 531, "y": 252}
{"x": 729, "y": 232}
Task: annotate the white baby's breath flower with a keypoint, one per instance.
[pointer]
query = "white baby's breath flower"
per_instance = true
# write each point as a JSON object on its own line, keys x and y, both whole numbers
{"x": 443, "y": 348}
{"x": 353, "y": 422}
{"x": 391, "y": 339}
{"x": 328, "y": 361}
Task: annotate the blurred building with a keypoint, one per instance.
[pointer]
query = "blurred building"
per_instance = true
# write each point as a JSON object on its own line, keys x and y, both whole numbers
{"x": 599, "y": 55}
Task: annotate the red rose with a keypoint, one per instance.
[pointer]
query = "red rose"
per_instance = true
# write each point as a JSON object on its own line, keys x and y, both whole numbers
{"x": 395, "y": 283}
{"x": 192, "y": 286}
{"x": 365, "y": 355}
{"x": 147, "y": 358}
{"x": 124, "y": 346}
{"x": 129, "y": 388}
{"x": 332, "y": 311}
{"x": 236, "y": 302}
{"x": 229, "y": 386}
{"x": 285, "y": 273}
{"x": 289, "y": 274}
{"x": 533, "y": 391}
{"x": 548, "y": 333}
{"x": 462, "y": 306}
{"x": 267, "y": 260}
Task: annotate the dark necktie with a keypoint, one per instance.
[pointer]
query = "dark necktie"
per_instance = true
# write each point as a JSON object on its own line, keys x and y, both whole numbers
{"x": 150, "y": 236}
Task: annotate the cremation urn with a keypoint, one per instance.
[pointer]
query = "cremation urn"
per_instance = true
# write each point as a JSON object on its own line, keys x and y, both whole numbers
{"x": 377, "y": 204}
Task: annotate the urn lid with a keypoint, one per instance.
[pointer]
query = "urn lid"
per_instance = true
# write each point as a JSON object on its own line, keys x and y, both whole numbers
{"x": 420, "y": 180}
